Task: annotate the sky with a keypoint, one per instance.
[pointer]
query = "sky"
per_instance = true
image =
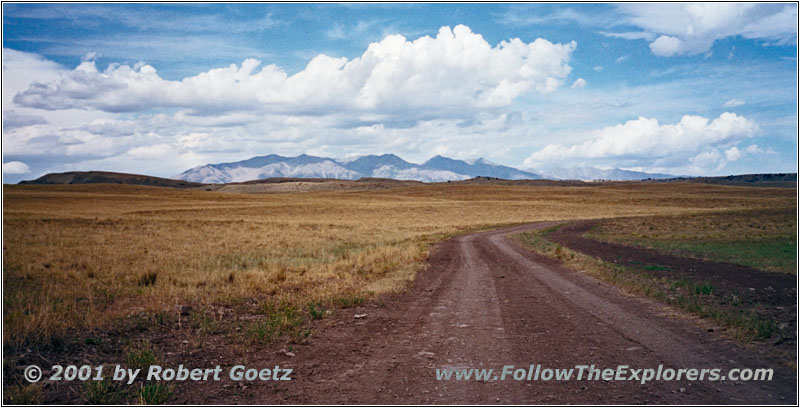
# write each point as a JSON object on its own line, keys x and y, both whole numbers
{"x": 678, "y": 88}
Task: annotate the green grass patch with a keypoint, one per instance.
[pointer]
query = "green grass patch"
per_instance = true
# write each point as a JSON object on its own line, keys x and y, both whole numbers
{"x": 278, "y": 321}
{"x": 348, "y": 301}
{"x": 154, "y": 394}
{"x": 316, "y": 310}
{"x": 142, "y": 357}
{"x": 697, "y": 298}
{"x": 775, "y": 254}
{"x": 760, "y": 239}
{"x": 106, "y": 392}
{"x": 93, "y": 341}
{"x": 704, "y": 289}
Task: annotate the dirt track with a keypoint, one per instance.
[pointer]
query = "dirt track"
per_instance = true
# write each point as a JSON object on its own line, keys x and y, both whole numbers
{"x": 485, "y": 303}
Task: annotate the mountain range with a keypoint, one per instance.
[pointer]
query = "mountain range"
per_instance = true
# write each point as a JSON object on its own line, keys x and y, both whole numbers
{"x": 438, "y": 168}
{"x": 593, "y": 173}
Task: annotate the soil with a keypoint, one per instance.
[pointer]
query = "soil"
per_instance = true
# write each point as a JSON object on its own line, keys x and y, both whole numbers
{"x": 483, "y": 302}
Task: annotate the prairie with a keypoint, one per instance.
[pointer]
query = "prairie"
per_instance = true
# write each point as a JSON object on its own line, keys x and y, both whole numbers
{"x": 79, "y": 258}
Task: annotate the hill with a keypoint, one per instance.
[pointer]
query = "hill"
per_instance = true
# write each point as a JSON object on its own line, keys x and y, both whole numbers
{"x": 750, "y": 180}
{"x": 94, "y": 177}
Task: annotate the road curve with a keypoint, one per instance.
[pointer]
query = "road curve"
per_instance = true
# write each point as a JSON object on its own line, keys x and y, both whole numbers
{"x": 485, "y": 302}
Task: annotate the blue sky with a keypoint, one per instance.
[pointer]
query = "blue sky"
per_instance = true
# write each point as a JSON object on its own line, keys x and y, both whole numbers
{"x": 696, "y": 89}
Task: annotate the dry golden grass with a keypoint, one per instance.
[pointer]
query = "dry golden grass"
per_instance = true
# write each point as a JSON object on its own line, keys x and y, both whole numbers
{"x": 84, "y": 257}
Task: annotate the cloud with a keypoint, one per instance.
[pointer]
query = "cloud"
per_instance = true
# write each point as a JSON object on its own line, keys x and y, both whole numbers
{"x": 522, "y": 16}
{"x": 733, "y": 103}
{"x": 15, "y": 167}
{"x": 707, "y": 159}
{"x": 110, "y": 127}
{"x": 733, "y": 154}
{"x": 666, "y": 46}
{"x": 622, "y": 58}
{"x": 597, "y": 68}
{"x": 13, "y": 120}
{"x": 692, "y": 28}
{"x": 645, "y": 142}
{"x": 164, "y": 142}
{"x": 754, "y": 149}
{"x": 337, "y": 32}
{"x": 713, "y": 158}
{"x": 360, "y": 29}
{"x": 89, "y": 56}
{"x": 162, "y": 150}
{"x": 25, "y": 68}
{"x": 579, "y": 83}
{"x": 455, "y": 71}
{"x": 630, "y": 35}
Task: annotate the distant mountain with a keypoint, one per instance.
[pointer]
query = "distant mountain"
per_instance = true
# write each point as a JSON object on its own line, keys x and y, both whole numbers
{"x": 94, "y": 177}
{"x": 438, "y": 168}
{"x": 393, "y": 167}
{"x": 368, "y": 164}
{"x": 262, "y": 167}
{"x": 593, "y": 173}
{"x": 478, "y": 168}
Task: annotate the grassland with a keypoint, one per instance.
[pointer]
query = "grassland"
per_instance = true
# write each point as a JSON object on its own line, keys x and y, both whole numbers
{"x": 91, "y": 257}
{"x": 762, "y": 239}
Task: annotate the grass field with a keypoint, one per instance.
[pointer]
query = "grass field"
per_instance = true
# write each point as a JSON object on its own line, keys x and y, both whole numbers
{"x": 762, "y": 239}
{"x": 78, "y": 258}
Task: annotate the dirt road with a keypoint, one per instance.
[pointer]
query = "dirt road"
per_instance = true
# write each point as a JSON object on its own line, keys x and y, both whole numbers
{"x": 485, "y": 303}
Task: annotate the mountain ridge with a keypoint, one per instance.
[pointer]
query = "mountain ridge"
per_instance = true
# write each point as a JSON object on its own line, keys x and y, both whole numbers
{"x": 593, "y": 173}
{"x": 437, "y": 168}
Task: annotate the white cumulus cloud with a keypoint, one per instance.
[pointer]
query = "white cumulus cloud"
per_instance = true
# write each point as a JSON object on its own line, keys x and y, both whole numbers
{"x": 454, "y": 71}
{"x": 15, "y": 167}
{"x": 733, "y": 154}
{"x": 579, "y": 83}
{"x": 706, "y": 159}
{"x": 644, "y": 141}
{"x": 692, "y": 28}
{"x": 666, "y": 46}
